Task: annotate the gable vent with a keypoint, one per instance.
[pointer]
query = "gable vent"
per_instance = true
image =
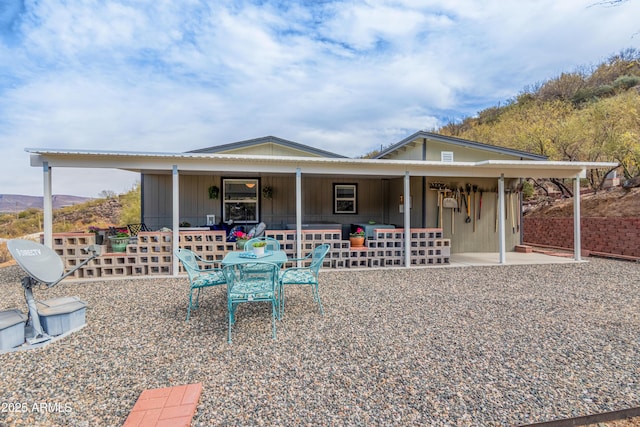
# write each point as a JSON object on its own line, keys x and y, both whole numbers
{"x": 446, "y": 156}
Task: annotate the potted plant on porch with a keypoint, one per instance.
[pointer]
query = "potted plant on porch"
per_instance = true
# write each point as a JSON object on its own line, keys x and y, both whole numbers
{"x": 119, "y": 242}
{"x": 259, "y": 247}
{"x": 241, "y": 238}
{"x": 357, "y": 238}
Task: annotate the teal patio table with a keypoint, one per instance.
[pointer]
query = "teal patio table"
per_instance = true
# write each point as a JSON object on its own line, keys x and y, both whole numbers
{"x": 242, "y": 257}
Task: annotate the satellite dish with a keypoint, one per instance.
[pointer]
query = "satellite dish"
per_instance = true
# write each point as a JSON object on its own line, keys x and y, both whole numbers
{"x": 39, "y": 261}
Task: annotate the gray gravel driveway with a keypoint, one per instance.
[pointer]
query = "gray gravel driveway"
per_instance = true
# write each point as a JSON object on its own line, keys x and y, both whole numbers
{"x": 472, "y": 346}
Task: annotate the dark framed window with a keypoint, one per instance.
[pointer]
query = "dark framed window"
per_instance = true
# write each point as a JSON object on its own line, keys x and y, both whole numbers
{"x": 345, "y": 198}
{"x": 240, "y": 201}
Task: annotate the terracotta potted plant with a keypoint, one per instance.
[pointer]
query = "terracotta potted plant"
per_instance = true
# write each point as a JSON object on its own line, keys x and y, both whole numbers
{"x": 357, "y": 238}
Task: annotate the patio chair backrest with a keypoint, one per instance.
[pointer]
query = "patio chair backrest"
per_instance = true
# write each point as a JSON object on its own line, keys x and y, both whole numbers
{"x": 272, "y": 244}
{"x": 189, "y": 262}
{"x": 317, "y": 257}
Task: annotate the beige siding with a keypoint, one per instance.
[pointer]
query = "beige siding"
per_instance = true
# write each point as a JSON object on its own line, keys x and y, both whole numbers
{"x": 378, "y": 200}
{"x": 414, "y": 150}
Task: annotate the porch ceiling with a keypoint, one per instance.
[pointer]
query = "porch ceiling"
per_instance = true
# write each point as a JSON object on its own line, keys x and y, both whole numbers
{"x": 149, "y": 162}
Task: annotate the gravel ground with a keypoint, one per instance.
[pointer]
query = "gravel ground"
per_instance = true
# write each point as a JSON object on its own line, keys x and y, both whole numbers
{"x": 500, "y": 345}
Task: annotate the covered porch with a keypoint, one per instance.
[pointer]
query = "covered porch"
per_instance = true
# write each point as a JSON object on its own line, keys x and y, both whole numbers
{"x": 404, "y": 200}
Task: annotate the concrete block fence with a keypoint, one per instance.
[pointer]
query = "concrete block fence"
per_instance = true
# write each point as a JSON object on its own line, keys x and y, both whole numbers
{"x": 616, "y": 236}
{"x": 150, "y": 253}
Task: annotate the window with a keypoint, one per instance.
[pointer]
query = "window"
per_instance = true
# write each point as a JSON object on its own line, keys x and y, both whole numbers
{"x": 344, "y": 198}
{"x": 240, "y": 200}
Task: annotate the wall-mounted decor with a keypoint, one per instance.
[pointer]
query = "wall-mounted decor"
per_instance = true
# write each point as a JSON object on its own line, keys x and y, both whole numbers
{"x": 214, "y": 192}
{"x": 267, "y": 192}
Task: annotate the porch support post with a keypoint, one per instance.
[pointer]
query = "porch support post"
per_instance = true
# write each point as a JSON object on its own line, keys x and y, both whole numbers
{"x": 407, "y": 220}
{"x": 501, "y": 234}
{"x": 576, "y": 219}
{"x": 175, "y": 223}
{"x": 298, "y": 215}
{"x": 47, "y": 205}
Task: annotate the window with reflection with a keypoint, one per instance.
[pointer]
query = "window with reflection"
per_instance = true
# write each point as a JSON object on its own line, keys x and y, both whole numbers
{"x": 344, "y": 198}
{"x": 240, "y": 200}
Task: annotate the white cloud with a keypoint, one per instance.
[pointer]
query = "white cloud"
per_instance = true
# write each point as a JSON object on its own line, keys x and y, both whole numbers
{"x": 345, "y": 76}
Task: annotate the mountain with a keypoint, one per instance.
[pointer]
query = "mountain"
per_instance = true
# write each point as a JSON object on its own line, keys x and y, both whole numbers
{"x": 13, "y": 203}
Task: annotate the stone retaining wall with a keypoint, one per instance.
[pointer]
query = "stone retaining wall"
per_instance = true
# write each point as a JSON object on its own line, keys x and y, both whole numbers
{"x": 618, "y": 236}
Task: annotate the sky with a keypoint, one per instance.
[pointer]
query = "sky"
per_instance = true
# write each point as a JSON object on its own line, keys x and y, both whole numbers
{"x": 344, "y": 76}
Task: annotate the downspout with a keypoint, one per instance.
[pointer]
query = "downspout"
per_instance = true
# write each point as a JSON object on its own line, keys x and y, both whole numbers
{"x": 47, "y": 205}
{"x": 299, "y": 215}
{"x": 576, "y": 219}
{"x": 407, "y": 220}
{"x": 424, "y": 186}
{"x": 175, "y": 226}
{"x": 501, "y": 234}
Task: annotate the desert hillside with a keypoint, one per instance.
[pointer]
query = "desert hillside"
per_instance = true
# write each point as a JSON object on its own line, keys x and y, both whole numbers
{"x": 616, "y": 202}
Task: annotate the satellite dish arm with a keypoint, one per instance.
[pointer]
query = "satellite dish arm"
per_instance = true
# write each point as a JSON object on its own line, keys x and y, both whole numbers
{"x": 95, "y": 252}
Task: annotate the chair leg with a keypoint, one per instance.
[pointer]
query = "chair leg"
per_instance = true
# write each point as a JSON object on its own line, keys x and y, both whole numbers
{"x": 273, "y": 318}
{"x": 230, "y": 310}
{"x": 189, "y": 306}
{"x": 316, "y": 296}
{"x": 198, "y": 299}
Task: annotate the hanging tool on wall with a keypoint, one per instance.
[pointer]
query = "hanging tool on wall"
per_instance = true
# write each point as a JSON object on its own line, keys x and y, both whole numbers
{"x": 449, "y": 202}
{"x": 475, "y": 191}
{"x": 467, "y": 202}
{"x": 513, "y": 219}
{"x": 480, "y": 205}
{"x": 440, "y": 208}
{"x": 518, "y": 206}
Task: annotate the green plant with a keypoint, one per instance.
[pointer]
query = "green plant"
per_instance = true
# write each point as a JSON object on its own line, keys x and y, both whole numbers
{"x": 214, "y": 191}
{"x": 259, "y": 244}
{"x": 358, "y": 233}
{"x": 267, "y": 192}
{"x": 527, "y": 190}
{"x": 131, "y": 202}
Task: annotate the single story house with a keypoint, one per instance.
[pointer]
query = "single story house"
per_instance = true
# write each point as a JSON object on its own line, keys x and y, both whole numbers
{"x": 467, "y": 190}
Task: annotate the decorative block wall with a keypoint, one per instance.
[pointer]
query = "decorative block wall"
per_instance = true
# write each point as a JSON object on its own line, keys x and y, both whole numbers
{"x": 151, "y": 253}
{"x": 616, "y": 236}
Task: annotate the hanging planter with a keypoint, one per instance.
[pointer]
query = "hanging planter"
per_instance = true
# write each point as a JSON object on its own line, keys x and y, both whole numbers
{"x": 214, "y": 192}
{"x": 267, "y": 192}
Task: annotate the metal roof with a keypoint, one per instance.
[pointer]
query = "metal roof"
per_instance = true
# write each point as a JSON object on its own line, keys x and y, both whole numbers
{"x": 153, "y": 162}
{"x": 265, "y": 140}
{"x": 460, "y": 142}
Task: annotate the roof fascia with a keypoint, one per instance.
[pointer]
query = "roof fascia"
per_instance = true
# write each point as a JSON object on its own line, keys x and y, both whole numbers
{"x": 201, "y": 163}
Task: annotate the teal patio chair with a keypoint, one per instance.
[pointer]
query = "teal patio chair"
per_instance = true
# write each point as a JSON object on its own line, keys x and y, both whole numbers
{"x": 198, "y": 277}
{"x": 246, "y": 288}
{"x": 305, "y": 275}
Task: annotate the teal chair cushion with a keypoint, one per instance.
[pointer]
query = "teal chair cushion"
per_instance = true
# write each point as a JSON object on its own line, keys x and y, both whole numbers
{"x": 212, "y": 278}
{"x": 297, "y": 277}
{"x": 251, "y": 289}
